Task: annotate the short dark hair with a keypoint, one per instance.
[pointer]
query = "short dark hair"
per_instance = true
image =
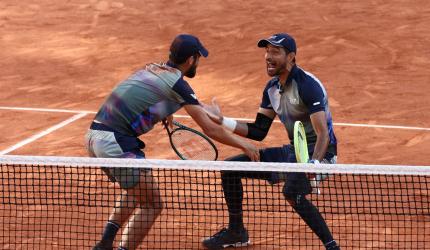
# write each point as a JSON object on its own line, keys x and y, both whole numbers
{"x": 184, "y": 46}
{"x": 180, "y": 59}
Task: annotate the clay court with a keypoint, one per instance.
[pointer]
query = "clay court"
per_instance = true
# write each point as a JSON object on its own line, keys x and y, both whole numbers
{"x": 59, "y": 60}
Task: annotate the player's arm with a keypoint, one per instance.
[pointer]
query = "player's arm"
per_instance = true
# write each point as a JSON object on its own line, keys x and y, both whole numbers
{"x": 313, "y": 96}
{"x": 218, "y": 133}
{"x": 319, "y": 123}
{"x": 195, "y": 109}
{"x": 256, "y": 130}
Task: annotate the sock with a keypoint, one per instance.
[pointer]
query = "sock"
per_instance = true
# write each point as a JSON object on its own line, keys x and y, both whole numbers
{"x": 233, "y": 194}
{"x": 111, "y": 229}
{"x": 235, "y": 221}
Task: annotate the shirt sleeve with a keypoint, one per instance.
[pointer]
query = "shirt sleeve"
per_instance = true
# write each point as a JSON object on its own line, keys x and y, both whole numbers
{"x": 265, "y": 101}
{"x": 313, "y": 96}
{"x": 186, "y": 92}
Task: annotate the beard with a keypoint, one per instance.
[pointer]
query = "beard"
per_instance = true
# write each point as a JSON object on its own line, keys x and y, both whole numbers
{"x": 277, "y": 70}
{"x": 191, "y": 73}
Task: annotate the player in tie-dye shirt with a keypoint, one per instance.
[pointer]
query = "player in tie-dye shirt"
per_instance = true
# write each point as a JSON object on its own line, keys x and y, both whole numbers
{"x": 132, "y": 109}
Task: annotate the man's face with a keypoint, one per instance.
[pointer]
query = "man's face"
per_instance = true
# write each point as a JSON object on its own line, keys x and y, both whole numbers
{"x": 191, "y": 72}
{"x": 276, "y": 60}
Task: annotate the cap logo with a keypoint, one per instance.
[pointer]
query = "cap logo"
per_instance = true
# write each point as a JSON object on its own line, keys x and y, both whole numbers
{"x": 279, "y": 41}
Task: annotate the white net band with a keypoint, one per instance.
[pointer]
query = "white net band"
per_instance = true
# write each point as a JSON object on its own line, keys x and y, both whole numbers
{"x": 215, "y": 165}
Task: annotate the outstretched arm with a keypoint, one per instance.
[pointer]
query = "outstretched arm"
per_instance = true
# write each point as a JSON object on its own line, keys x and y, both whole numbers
{"x": 319, "y": 123}
{"x": 256, "y": 130}
{"x": 219, "y": 134}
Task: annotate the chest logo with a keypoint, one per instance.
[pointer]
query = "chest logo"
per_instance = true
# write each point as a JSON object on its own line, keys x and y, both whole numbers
{"x": 294, "y": 101}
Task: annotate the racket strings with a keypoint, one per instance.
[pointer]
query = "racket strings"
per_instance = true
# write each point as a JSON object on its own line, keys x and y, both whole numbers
{"x": 192, "y": 146}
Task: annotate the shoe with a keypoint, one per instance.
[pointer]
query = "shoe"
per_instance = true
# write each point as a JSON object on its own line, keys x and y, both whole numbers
{"x": 101, "y": 246}
{"x": 227, "y": 238}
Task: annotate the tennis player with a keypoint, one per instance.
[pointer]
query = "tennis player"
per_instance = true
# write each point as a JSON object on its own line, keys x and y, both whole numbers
{"x": 293, "y": 95}
{"x": 132, "y": 109}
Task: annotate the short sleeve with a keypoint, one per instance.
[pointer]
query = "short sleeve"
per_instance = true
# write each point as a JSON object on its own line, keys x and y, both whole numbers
{"x": 265, "y": 100}
{"x": 312, "y": 95}
{"x": 182, "y": 88}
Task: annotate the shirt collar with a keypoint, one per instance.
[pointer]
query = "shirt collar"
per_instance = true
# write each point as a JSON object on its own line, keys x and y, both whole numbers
{"x": 290, "y": 77}
{"x": 171, "y": 64}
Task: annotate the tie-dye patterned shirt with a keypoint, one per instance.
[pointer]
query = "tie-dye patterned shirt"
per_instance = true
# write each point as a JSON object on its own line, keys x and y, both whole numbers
{"x": 145, "y": 98}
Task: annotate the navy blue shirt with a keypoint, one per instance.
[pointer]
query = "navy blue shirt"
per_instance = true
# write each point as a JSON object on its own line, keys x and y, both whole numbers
{"x": 302, "y": 95}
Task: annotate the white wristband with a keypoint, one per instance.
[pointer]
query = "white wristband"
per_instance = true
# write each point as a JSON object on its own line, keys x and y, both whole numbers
{"x": 229, "y": 123}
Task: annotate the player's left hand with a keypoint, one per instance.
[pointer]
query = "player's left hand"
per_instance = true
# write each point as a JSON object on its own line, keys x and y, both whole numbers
{"x": 213, "y": 111}
{"x": 312, "y": 161}
{"x": 315, "y": 179}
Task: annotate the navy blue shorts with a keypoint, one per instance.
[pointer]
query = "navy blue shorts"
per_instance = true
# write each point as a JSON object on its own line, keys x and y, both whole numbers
{"x": 295, "y": 183}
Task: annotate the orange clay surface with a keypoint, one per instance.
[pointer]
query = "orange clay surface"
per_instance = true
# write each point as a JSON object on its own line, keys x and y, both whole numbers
{"x": 371, "y": 55}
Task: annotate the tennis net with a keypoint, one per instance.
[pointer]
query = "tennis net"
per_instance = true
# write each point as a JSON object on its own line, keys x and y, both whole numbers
{"x": 64, "y": 203}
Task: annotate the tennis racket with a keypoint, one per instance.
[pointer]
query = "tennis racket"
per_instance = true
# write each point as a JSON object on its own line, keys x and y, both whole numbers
{"x": 190, "y": 144}
{"x": 302, "y": 153}
{"x": 300, "y": 143}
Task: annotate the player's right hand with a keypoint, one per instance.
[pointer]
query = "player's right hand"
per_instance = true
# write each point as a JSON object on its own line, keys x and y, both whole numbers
{"x": 252, "y": 151}
{"x": 169, "y": 121}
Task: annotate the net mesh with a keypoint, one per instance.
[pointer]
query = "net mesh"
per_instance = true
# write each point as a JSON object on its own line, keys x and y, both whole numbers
{"x": 64, "y": 203}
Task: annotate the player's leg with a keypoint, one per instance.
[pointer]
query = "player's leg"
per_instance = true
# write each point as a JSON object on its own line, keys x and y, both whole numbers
{"x": 108, "y": 144}
{"x": 101, "y": 143}
{"x": 236, "y": 234}
{"x": 149, "y": 206}
{"x": 295, "y": 189}
{"x": 124, "y": 207}
{"x": 313, "y": 218}
{"x": 126, "y": 203}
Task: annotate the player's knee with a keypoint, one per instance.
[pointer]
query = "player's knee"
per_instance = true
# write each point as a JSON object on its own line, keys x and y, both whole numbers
{"x": 295, "y": 200}
{"x": 156, "y": 206}
{"x": 229, "y": 176}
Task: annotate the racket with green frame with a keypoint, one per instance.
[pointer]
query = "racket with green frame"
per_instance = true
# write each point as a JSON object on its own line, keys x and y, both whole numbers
{"x": 302, "y": 153}
{"x": 300, "y": 143}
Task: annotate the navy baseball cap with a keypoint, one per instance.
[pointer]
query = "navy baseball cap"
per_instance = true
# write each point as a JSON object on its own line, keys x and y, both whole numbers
{"x": 184, "y": 46}
{"x": 279, "y": 40}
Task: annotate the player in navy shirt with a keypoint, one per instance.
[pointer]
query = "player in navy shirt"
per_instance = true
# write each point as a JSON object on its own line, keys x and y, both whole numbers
{"x": 132, "y": 109}
{"x": 293, "y": 95}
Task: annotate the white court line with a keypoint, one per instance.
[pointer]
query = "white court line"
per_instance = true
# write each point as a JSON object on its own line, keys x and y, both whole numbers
{"x": 43, "y": 133}
{"x": 341, "y": 124}
{"x": 336, "y": 124}
{"x": 47, "y": 110}
{"x": 380, "y": 126}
